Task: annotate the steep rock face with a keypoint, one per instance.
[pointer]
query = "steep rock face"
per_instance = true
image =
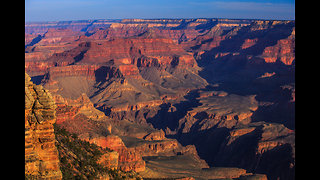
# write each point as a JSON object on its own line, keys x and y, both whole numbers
{"x": 270, "y": 40}
{"x": 127, "y": 51}
{"x": 283, "y": 51}
{"x": 220, "y": 111}
{"x": 43, "y": 47}
{"x": 260, "y": 147}
{"x": 128, "y": 158}
{"x": 41, "y": 155}
{"x": 35, "y": 52}
{"x": 38, "y": 67}
{"x": 117, "y": 30}
{"x": 75, "y": 70}
{"x": 53, "y": 36}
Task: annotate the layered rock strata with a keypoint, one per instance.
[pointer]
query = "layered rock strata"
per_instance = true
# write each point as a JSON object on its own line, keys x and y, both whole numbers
{"x": 41, "y": 155}
{"x": 260, "y": 147}
{"x": 80, "y": 117}
{"x": 204, "y": 82}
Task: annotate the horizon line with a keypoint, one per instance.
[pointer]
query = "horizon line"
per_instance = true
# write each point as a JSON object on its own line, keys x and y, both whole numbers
{"x": 254, "y": 19}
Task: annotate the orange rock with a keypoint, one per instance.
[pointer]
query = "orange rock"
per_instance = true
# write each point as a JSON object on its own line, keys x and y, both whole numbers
{"x": 158, "y": 135}
{"x": 248, "y": 43}
{"x": 186, "y": 178}
{"x": 284, "y": 50}
{"x": 41, "y": 155}
{"x": 109, "y": 160}
{"x": 128, "y": 159}
{"x": 112, "y": 142}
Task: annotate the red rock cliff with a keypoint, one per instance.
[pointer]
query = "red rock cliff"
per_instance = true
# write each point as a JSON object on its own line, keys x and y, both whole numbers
{"x": 41, "y": 155}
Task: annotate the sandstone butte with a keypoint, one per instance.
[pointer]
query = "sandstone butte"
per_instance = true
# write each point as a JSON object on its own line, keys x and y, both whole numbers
{"x": 217, "y": 84}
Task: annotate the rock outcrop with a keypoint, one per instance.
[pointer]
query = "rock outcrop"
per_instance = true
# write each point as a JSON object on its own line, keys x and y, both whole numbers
{"x": 41, "y": 155}
{"x": 80, "y": 117}
{"x": 260, "y": 147}
{"x": 128, "y": 158}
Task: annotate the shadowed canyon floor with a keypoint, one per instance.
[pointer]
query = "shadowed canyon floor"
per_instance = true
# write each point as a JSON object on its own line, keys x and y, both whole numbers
{"x": 174, "y": 98}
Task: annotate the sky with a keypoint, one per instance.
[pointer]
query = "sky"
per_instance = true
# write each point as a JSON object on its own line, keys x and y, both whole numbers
{"x": 65, "y": 10}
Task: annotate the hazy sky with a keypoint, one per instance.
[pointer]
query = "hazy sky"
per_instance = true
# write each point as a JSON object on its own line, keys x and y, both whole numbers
{"x": 63, "y": 10}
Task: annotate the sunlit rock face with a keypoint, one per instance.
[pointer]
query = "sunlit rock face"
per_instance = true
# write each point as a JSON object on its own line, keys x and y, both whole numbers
{"x": 41, "y": 155}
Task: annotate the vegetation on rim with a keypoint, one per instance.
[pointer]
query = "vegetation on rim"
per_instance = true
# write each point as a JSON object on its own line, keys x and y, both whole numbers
{"x": 78, "y": 158}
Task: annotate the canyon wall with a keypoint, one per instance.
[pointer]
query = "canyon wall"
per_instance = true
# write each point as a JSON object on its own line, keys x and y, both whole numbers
{"x": 41, "y": 155}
